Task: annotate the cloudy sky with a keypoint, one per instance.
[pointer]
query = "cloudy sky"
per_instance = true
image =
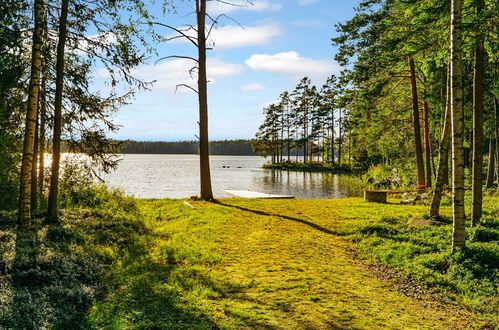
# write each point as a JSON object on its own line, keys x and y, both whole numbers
{"x": 280, "y": 41}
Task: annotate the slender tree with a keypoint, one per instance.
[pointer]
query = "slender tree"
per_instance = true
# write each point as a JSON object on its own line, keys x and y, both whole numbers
{"x": 458, "y": 228}
{"x": 443, "y": 157}
{"x": 31, "y": 112}
{"x": 56, "y": 140}
{"x": 492, "y": 162}
{"x": 478, "y": 82}
{"x": 204, "y": 154}
{"x": 417, "y": 126}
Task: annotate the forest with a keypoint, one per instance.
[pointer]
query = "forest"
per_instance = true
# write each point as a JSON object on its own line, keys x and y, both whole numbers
{"x": 228, "y": 147}
{"x": 410, "y": 113}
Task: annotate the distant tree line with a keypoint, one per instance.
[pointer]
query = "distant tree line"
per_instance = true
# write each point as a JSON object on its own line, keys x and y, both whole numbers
{"x": 224, "y": 147}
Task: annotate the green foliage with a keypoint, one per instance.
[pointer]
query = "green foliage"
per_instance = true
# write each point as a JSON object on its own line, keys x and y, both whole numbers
{"x": 308, "y": 167}
{"x": 424, "y": 253}
{"x": 78, "y": 189}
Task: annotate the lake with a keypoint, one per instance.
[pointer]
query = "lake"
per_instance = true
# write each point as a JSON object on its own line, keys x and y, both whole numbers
{"x": 177, "y": 176}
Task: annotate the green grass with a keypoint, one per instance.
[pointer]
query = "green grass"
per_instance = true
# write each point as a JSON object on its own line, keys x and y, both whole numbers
{"x": 423, "y": 252}
{"x": 119, "y": 263}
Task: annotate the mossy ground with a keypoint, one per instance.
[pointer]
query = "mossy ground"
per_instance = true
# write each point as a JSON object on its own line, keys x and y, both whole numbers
{"x": 240, "y": 264}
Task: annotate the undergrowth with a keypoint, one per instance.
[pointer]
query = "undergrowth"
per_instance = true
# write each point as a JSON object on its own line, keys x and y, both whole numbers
{"x": 423, "y": 252}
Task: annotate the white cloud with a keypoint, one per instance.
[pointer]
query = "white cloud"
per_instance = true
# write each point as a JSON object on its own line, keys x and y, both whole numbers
{"x": 307, "y": 2}
{"x": 168, "y": 75}
{"x": 217, "y": 8}
{"x": 290, "y": 63}
{"x": 234, "y": 36}
{"x": 253, "y": 87}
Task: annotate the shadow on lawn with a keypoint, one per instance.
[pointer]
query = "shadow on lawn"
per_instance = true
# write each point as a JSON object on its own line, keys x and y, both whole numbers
{"x": 50, "y": 276}
{"x": 303, "y": 221}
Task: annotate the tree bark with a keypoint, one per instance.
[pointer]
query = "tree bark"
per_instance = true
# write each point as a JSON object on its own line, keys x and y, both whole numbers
{"x": 492, "y": 162}
{"x": 43, "y": 115}
{"x": 332, "y": 137}
{"x": 496, "y": 130}
{"x": 34, "y": 167}
{"x": 340, "y": 137}
{"x": 59, "y": 86}
{"x": 204, "y": 152}
{"x": 427, "y": 145}
{"x": 24, "y": 216}
{"x": 478, "y": 81}
{"x": 458, "y": 228}
{"x": 417, "y": 126}
{"x": 442, "y": 175}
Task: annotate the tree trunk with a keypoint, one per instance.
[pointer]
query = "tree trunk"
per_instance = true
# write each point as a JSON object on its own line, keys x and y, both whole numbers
{"x": 204, "y": 152}
{"x": 417, "y": 128}
{"x": 340, "y": 138}
{"x": 496, "y": 126}
{"x": 43, "y": 114}
{"x": 458, "y": 232}
{"x": 441, "y": 179}
{"x": 478, "y": 81}
{"x": 427, "y": 145}
{"x": 332, "y": 137}
{"x": 34, "y": 167}
{"x": 59, "y": 86}
{"x": 492, "y": 162}
{"x": 24, "y": 219}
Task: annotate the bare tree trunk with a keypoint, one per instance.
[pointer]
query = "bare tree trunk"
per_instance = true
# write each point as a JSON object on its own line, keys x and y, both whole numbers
{"x": 204, "y": 152}
{"x": 458, "y": 232}
{"x": 340, "y": 138}
{"x": 441, "y": 179}
{"x": 492, "y": 162}
{"x": 496, "y": 126}
{"x": 478, "y": 81}
{"x": 24, "y": 219}
{"x": 417, "y": 126}
{"x": 332, "y": 137}
{"x": 427, "y": 145}
{"x": 59, "y": 86}
{"x": 43, "y": 114}
{"x": 34, "y": 169}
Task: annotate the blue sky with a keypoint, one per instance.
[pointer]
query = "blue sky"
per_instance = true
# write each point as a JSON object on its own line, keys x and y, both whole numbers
{"x": 282, "y": 41}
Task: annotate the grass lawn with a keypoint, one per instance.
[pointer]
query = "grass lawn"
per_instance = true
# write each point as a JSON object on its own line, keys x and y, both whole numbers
{"x": 246, "y": 264}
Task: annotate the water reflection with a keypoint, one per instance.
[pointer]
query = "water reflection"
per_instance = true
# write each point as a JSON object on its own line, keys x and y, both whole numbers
{"x": 177, "y": 176}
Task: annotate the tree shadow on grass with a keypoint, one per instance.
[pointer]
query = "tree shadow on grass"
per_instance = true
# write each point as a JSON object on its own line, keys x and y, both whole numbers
{"x": 53, "y": 274}
{"x": 303, "y": 221}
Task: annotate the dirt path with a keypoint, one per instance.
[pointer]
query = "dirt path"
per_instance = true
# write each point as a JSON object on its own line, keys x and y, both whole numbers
{"x": 297, "y": 273}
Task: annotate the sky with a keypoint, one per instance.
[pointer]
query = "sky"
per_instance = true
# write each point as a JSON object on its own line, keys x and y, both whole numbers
{"x": 271, "y": 47}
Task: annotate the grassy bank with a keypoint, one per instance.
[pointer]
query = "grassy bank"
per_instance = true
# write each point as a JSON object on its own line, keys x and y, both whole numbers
{"x": 309, "y": 167}
{"x": 118, "y": 263}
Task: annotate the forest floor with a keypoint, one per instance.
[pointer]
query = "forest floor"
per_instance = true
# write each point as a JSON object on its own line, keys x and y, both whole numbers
{"x": 240, "y": 263}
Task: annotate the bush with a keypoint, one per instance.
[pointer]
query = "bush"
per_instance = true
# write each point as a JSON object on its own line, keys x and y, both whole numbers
{"x": 78, "y": 189}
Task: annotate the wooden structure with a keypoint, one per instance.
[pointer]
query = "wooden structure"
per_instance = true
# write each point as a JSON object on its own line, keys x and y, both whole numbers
{"x": 254, "y": 194}
{"x": 376, "y": 196}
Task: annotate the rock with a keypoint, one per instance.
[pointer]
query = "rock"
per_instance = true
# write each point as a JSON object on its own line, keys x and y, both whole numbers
{"x": 411, "y": 201}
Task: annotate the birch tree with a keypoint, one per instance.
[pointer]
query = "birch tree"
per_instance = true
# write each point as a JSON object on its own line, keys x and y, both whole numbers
{"x": 456, "y": 56}
{"x": 24, "y": 217}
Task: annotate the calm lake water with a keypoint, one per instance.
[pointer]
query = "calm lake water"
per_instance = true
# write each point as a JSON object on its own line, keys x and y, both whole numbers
{"x": 177, "y": 176}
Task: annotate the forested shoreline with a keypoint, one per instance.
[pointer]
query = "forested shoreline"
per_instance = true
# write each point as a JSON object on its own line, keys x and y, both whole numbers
{"x": 225, "y": 147}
